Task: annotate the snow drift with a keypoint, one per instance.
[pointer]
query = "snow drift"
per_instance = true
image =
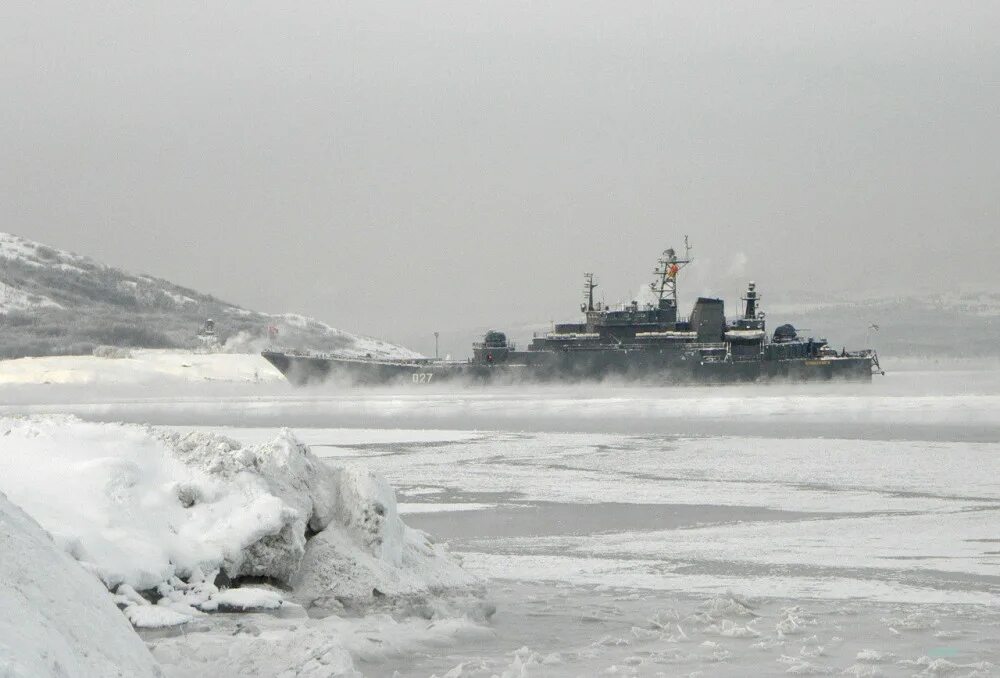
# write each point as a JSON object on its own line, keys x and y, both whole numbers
{"x": 57, "y": 619}
{"x": 165, "y": 519}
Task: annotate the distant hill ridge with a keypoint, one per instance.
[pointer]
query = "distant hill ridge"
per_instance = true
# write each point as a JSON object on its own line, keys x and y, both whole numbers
{"x": 956, "y": 324}
{"x": 54, "y": 302}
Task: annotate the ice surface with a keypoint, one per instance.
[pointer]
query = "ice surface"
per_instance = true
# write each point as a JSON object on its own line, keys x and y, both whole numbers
{"x": 830, "y": 475}
{"x": 343, "y": 439}
{"x": 732, "y": 532}
{"x": 666, "y": 576}
{"x": 55, "y": 618}
{"x": 264, "y": 645}
{"x": 418, "y": 507}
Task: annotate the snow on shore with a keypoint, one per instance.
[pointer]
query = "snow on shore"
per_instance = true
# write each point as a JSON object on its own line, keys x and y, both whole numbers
{"x": 163, "y": 514}
{"x": 142, "y": 367}
{"x": 55, "y": 619}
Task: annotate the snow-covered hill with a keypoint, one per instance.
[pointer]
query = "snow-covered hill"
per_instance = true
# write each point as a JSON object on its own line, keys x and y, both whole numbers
{"x": 54, "y": 302}
{"x": 957, "y": 324}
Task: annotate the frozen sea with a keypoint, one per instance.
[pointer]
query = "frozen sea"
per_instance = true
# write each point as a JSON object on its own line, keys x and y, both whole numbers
{"x": 760, "y": 530}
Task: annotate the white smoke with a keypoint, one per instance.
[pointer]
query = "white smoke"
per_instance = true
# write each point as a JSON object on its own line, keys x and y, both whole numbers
{"x": 738, "y": 266}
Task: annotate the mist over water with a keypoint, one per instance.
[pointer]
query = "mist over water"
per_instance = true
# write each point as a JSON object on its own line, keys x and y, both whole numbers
{"x": 960, "y": 404}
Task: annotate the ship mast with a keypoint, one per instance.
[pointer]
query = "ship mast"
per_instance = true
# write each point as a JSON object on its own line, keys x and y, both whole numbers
{"x": 588, "y": 290}
{"x": 750, "y": 300}
{"x": 667, "y": 268}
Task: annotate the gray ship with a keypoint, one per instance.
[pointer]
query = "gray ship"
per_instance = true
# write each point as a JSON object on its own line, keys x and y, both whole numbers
{"x": 649, "y": 344}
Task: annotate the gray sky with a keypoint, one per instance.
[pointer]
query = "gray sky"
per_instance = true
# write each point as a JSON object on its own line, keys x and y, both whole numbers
{"x": 398, "y": 167}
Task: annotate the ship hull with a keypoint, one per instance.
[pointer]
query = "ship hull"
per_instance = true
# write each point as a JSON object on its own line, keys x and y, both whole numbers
{"x": 642, "y": 367}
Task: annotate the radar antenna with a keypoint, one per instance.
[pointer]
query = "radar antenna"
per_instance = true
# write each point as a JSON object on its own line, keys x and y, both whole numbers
{"x": 588, "y": 291}
{"x": 667, "y": 268}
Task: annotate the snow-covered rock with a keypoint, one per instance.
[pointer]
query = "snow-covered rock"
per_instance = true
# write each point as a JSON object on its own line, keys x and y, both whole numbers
{"x": 55, "y": 618}
{"x": 164, "y": 513}
{"x": 294, "y": 492}
{"x": 247, "y": 598}
{"x": 335, "y": 573}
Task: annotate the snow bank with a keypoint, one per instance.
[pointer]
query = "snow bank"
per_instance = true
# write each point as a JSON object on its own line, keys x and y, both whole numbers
{"x": 141, "y": 367}
{"x": 165, "y": 513}
{"x": 57, "y": 619}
